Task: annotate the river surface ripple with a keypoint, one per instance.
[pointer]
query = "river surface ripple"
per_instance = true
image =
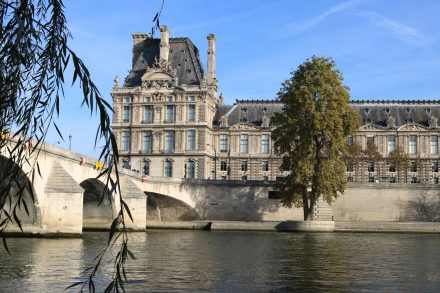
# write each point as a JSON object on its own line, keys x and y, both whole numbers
{"x": 202, "y": 261}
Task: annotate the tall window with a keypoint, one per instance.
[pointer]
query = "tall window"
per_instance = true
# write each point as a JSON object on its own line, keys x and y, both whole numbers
{"x": 169, "y": 141}
{"x": 370, "y": 138}
{"x": 170, "y": 114}
{"x": 244, "y": 166}
{"x": 392, "y": 167}
{"x": 413, "y": 167}
{"x": 412, "y": 145}
{"x": 148, "y": 114}
{"x": 191, "y": 113}
{"x": 265, "y": 143}
{"x": 126, "y": 164}
{"x": 168, "y": 168}
{"x": 125, "y": 140}
{"x": 191, "y": 139}
{"x": 391, "y": 143}
{"x": 244, "y": 143}
{"x": 148, "y": 142}
{"x": 434, "y": 166}
{"x": 265, "y": 166}
{"x": 223, "y": 166}
{"x": 146, "y": 167}
{"x": 191, "y": 169}
{"x": 223, "y": 143}
{"x": 370, "y": 166}
{"x": 434, "y": 144}
{"x": 126, "y": 114}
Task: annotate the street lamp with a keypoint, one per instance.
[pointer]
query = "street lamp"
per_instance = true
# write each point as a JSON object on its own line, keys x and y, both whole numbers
{"x": 70, "y": 142}
{"x": 215, "y": 160}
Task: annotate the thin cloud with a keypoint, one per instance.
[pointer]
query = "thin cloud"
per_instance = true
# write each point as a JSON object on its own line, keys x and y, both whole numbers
{"x": 294, "y": 28}
{"x": 397, "y": 29}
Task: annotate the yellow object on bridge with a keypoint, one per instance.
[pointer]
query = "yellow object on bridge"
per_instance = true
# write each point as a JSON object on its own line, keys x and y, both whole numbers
{"x": 98, "y": 165}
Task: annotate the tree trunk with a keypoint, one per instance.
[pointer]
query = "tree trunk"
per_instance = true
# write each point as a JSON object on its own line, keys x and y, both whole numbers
{"x": 305, "y": 206}
{"x": 309, "y": 211}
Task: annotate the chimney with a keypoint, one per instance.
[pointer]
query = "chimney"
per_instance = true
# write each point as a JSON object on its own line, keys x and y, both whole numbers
{"x": 211, "y": 78}
{"x": 164, "y": 43}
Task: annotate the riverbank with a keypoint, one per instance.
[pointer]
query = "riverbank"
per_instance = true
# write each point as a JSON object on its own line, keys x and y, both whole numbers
{"x": 301, "y": 226}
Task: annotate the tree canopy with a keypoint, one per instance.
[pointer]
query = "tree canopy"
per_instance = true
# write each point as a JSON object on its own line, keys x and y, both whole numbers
{"x": 311, "y": 133}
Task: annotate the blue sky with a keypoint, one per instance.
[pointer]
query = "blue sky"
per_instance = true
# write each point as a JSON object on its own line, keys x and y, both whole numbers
{"x": 386, "y": 49}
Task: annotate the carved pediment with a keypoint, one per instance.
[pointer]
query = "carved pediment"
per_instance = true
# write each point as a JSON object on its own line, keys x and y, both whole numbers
{"x": 159, "y": 75}
{"x": 243, "y": 126}
{"x": 371, "y": 127}
{"x": 412, "y": 127}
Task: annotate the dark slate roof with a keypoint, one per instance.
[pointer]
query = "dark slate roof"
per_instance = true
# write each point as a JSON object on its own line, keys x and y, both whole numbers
{"x": 184, "y": 57}
{"x": 221, "y": 110}
{"x": 370, "y": 111}
{"x": 403, "y": 111}
{"x": 247, "y": 111}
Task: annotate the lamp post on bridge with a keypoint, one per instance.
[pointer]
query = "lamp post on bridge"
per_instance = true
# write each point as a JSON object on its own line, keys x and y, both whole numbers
{"x": 70, "y": 142}
{"x": 215, "y": 160}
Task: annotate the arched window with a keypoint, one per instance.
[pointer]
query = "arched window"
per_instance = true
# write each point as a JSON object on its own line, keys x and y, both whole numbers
{"x": 146, "y": 167}
{"x": 168, "y": 168}
{"x": 191, "y": 169}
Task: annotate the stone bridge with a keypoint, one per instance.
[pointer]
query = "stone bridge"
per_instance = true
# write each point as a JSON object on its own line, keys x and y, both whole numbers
{"x": 68, "y": 192}
{"x": 67, "y": 195}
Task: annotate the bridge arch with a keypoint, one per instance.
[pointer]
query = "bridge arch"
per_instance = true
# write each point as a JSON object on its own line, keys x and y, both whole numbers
{"x": 98, "y": 205}
{"x": 162, "y": 207}
{"x": 18, "y": 193}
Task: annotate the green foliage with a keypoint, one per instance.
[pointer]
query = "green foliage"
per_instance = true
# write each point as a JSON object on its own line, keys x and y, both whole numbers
{"x": 311, "y": 133}
{"x": 34, "y": 55}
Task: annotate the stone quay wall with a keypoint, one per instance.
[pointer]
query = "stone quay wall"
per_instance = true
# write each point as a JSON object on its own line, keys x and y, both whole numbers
{"x": 250, "y": 201}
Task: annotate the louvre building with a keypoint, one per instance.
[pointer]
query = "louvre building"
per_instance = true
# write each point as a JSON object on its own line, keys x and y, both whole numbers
{"x": 170, "y": 121}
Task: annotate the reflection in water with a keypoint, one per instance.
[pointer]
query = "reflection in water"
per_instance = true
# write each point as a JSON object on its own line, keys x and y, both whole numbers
{"x": 196, "y": 261}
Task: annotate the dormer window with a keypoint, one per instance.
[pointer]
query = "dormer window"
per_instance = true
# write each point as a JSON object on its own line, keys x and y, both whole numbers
{"x": 169, "y": 98}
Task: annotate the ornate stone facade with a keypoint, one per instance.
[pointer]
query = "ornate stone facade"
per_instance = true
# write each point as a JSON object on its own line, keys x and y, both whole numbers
{"x": 169, "y": 121}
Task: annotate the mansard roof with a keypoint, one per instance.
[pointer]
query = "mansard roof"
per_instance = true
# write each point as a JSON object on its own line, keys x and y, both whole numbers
{"x": 247, "y": 111}
{"x": 184, "y": 57}
{"x": 375, "y": 112}
{"x": 403, "y": 111}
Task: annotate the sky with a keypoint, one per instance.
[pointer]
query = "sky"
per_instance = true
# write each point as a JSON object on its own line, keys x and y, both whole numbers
{"x": 385, "y": 49}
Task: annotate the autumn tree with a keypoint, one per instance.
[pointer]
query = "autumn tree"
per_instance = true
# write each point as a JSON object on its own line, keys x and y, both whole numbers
{"x": 311, "y": 133}
{"x": 400, "y": 160}
{"x": 354, "y": 154}
{"x": 372, "y": 155}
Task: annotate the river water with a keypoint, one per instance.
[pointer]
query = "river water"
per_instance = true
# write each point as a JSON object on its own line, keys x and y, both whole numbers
{"x": 203, "y": 261}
